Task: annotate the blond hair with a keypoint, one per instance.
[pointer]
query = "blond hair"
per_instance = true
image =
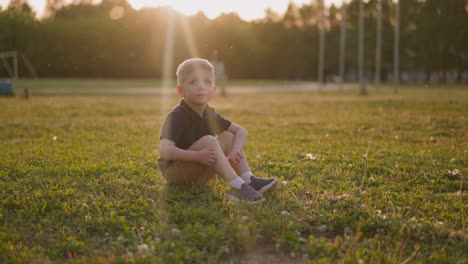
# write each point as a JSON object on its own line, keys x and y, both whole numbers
{"x": 191, "y": 65}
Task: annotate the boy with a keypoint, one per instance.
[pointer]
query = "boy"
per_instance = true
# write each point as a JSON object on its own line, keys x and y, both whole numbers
{"x": 190, "y": 154}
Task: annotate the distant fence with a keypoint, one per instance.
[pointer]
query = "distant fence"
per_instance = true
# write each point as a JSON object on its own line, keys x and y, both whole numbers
{"x": 415, "y": 77}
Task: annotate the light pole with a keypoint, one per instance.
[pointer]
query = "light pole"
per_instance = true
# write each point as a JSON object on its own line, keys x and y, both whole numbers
{"x": 321, "y": 45}
{"x": 342, "y": 44}
{"x": 379, "y": 44}
{"x": 396, "y": 48}
{"x": 362, "y": 82}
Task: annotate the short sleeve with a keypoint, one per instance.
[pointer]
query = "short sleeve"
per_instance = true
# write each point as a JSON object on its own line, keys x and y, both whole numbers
{"x": 217, "y": 123}
{"x": 172, "y": 128}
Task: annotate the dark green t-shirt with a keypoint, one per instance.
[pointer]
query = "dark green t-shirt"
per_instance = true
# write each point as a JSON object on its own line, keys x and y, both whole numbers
{"x": 184, "y": 126}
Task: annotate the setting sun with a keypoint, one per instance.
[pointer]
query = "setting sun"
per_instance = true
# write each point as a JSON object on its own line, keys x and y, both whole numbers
{"x": 246, "y": 9}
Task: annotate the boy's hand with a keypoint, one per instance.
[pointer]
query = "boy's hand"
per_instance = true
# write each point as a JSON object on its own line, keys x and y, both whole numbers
{"x": 207, "y": 157}
{"x": 235, "y": 157}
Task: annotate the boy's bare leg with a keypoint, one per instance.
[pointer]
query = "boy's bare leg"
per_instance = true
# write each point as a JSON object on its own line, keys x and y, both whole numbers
{"x": 240, "y": 190}
{"x": 226, "y": 139}
{"x": 222, "y": 165}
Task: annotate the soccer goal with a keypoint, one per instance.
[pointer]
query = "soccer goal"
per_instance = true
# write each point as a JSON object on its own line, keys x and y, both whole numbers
{"x": 10, "y": 61}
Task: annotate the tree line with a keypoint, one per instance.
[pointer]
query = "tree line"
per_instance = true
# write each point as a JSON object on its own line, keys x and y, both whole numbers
{"x": 112, "y": 40}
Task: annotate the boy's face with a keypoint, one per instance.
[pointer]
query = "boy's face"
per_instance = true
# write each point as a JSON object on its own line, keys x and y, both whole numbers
{"x": 197, "y": 87}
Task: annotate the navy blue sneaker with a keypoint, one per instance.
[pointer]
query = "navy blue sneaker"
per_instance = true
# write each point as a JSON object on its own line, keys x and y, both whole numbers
{"x": 261, "y": 185}
{"x": 245, "y": 194}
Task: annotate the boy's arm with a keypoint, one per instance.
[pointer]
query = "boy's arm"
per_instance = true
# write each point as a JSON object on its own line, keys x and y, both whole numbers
{"x": 240, "y": 139}
{"x": 169, "y": 151}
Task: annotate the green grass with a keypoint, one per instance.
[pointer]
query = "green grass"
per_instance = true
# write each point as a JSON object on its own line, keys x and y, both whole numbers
{"x": 379, "y": 170}
{"x": 126, "y": 83}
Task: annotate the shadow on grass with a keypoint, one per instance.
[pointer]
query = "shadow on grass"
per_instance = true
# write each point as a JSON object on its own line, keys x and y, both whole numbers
{"x": 190, "y": 205}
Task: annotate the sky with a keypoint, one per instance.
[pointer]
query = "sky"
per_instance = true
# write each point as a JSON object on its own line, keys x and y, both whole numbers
{"x": 247, "y": 9}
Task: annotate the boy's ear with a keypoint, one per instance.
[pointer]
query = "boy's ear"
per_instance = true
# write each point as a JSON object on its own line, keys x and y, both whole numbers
{"x": 214, "y": 89}
{"x": 179, "y": 90}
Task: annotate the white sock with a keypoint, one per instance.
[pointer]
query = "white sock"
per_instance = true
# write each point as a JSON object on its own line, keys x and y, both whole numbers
{"x": 246, "y": 176}
{"x": 237, "y": 182}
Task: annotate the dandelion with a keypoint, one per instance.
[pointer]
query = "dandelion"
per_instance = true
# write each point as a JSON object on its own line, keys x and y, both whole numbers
{"x": 54, "y": 138}
{"x": 143, "y": 249}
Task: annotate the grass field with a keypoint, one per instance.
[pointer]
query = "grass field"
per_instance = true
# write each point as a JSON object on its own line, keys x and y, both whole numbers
{"x": 363, "y": 179}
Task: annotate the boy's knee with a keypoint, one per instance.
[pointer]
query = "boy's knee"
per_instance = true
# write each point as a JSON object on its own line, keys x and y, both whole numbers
{"x": 209, "y": 141}
{"x": 226, "y": 136}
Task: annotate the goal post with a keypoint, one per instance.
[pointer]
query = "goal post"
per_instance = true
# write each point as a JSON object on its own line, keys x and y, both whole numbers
{"x": 10, "y": 61}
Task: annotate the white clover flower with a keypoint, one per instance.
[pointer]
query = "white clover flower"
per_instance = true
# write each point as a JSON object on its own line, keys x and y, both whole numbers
{"x": 297, "y": 232}
{"x": 175, "y": 231}
{"x": 347, "y": 231}
{"x": 397, "y": 137}
{"x": 455, "y": 172}
{"x": 311, "y": 157}
{"x": 284, "y": 183}
{"x": 285, "y": 213}
{"x": 54, "y": 138}
{"x": 244, "y": 218}
{"x": 322, "y": 228}
{"x": 363, "y": 206}
{"x": 143, "y": 249}
{"x": 226, "y": 250}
